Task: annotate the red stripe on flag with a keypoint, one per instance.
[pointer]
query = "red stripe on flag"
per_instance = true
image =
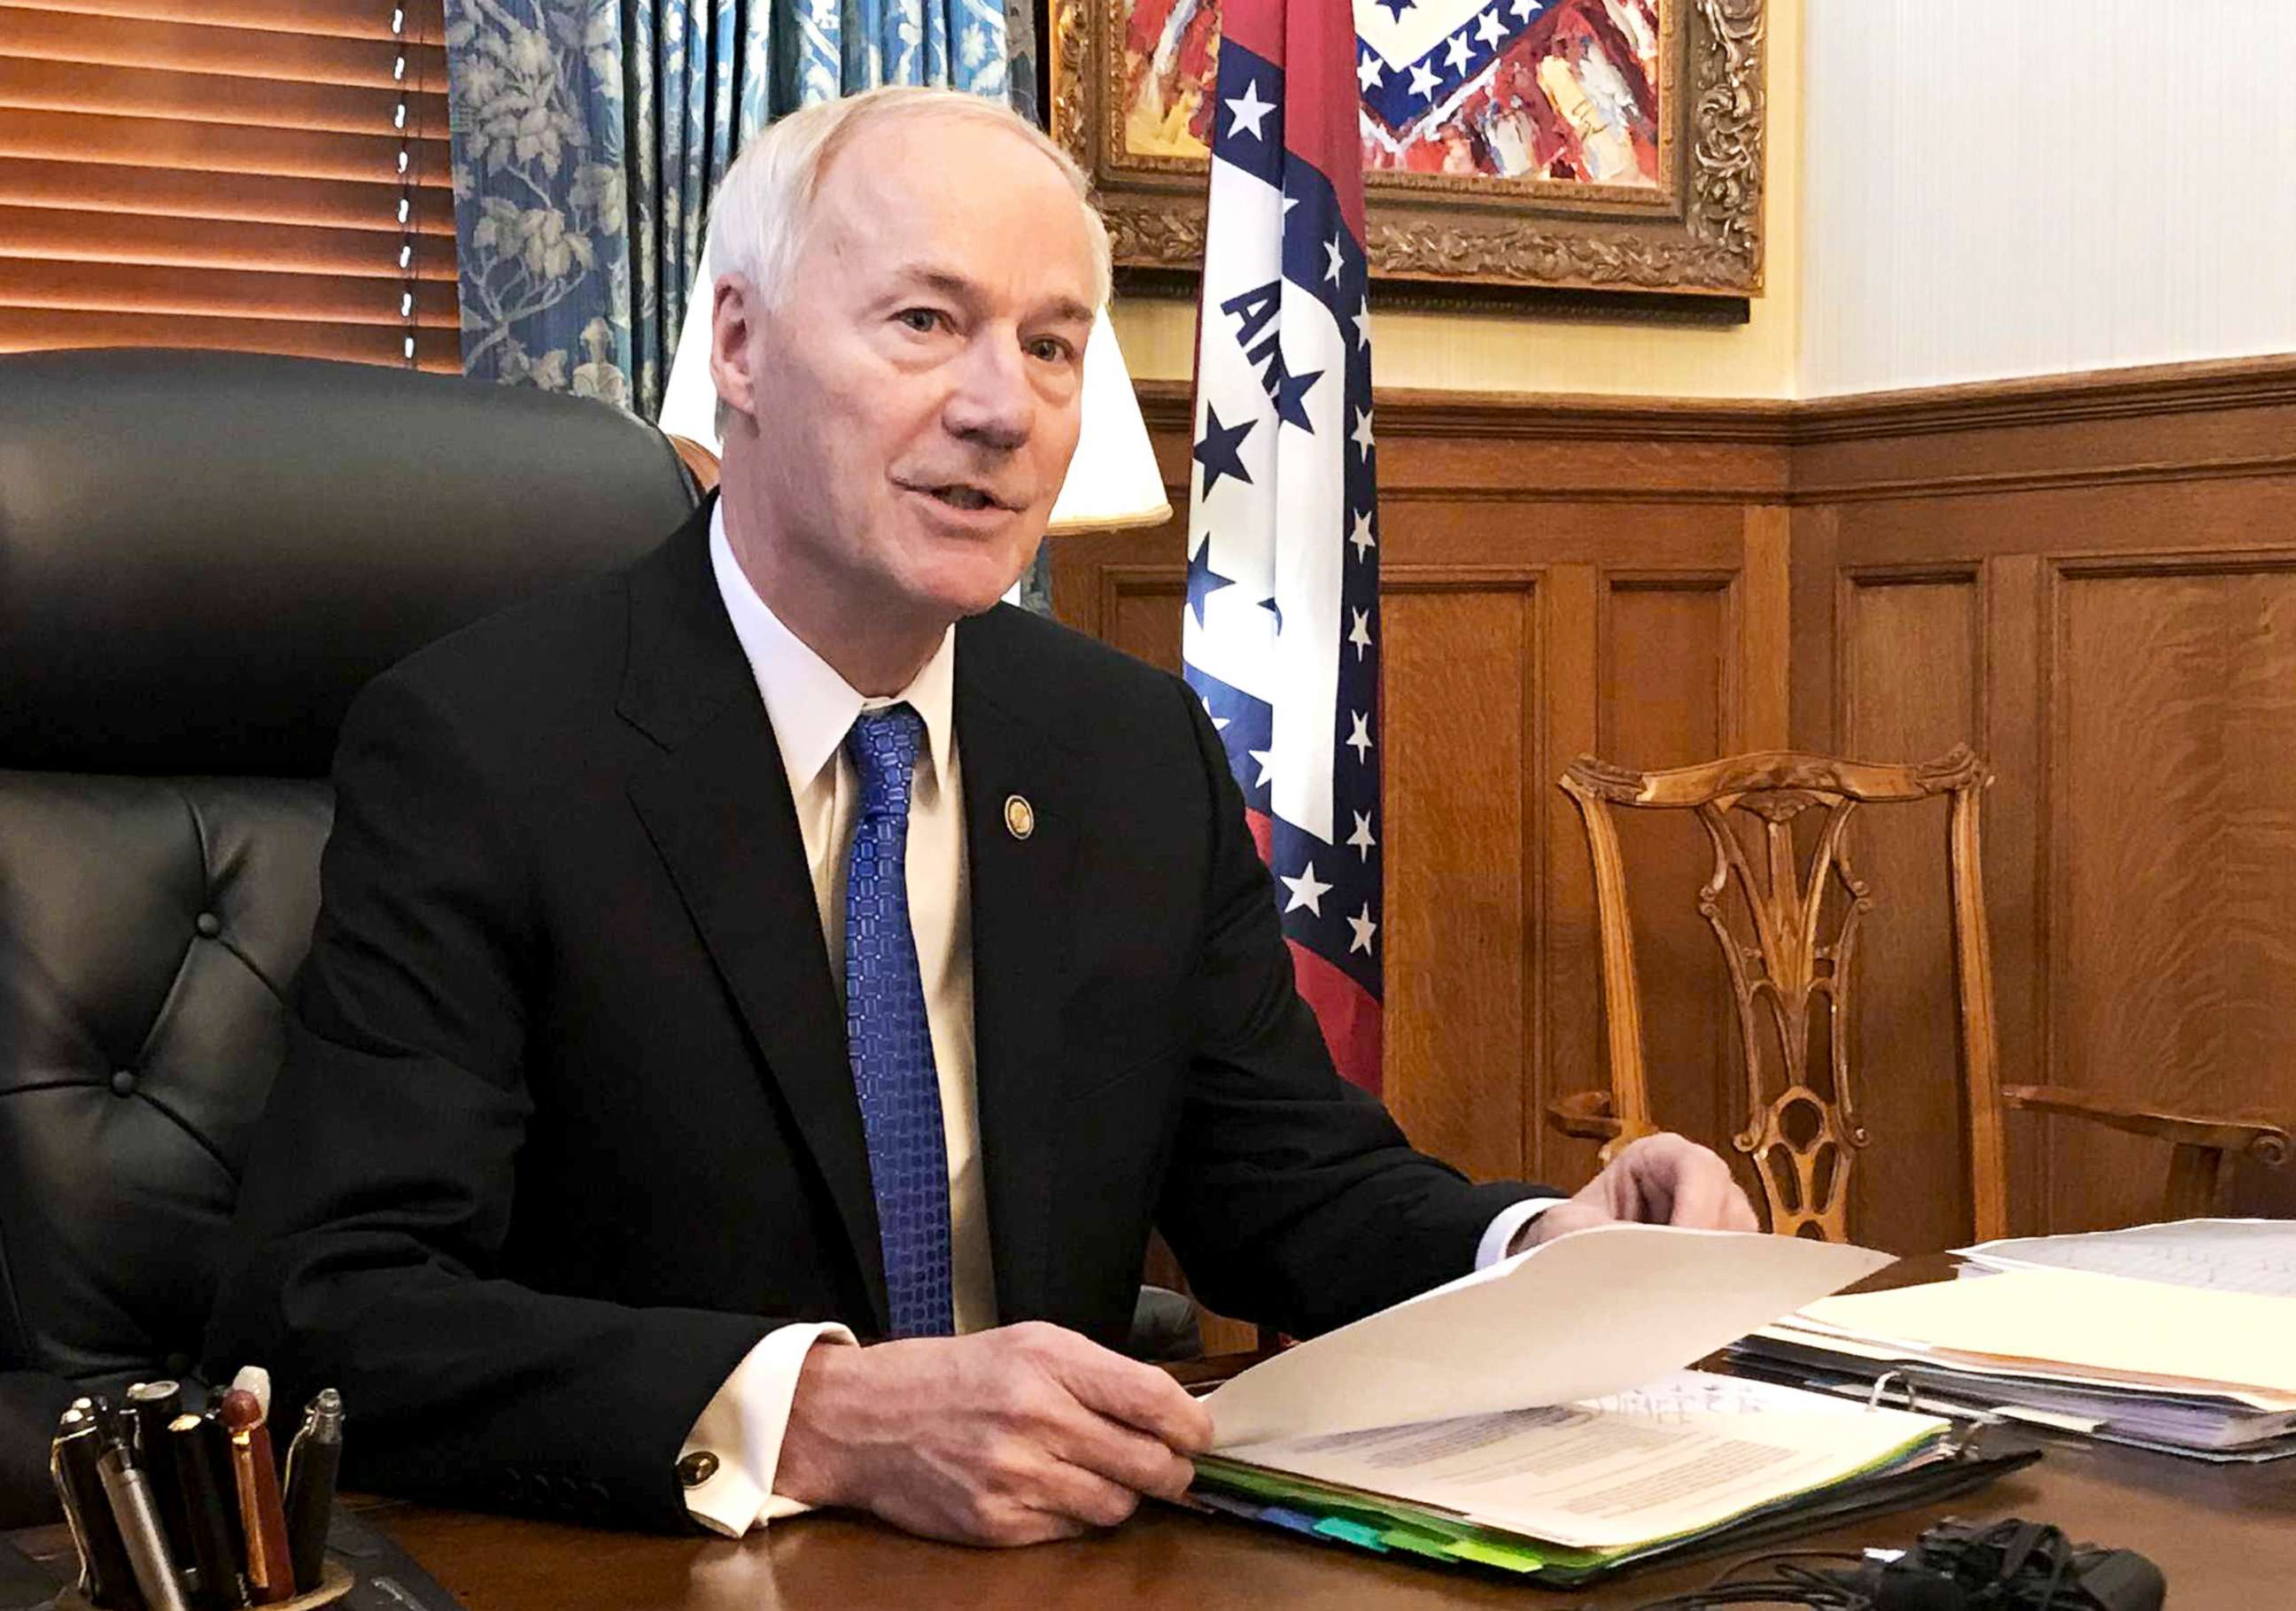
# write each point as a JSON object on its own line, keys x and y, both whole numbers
{"x": 1258, "y": 25}
{"x": 1313, "y": 43}
{"x": 1321, "y": 116}
{"x": 1263, "y": 830}
{"x": 1349, "y": 1018}
{"x": 1344, "y": 1009}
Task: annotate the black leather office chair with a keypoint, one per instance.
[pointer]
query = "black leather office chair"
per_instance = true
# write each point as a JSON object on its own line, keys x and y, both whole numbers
{"x": 202, "y": 557}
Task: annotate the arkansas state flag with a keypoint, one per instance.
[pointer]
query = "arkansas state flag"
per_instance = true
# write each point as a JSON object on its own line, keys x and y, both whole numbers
{"x": 1282, "y": 633}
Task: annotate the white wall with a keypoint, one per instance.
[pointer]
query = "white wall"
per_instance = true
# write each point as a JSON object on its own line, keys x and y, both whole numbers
{"x": 2006, "y": 187}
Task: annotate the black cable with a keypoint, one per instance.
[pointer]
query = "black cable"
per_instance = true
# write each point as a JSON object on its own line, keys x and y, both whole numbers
{"x": 1793, "y": 1584}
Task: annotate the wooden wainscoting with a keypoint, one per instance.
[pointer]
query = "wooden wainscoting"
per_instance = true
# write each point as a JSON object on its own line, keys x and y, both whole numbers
{"x": 2091, "y": 579}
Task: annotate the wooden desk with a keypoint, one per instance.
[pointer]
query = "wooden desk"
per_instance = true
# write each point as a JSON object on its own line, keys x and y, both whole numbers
{"x": 2225, "y": 1535}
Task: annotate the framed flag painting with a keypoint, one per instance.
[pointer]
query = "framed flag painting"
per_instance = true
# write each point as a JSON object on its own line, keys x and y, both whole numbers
{"x": 1603, "y": 145}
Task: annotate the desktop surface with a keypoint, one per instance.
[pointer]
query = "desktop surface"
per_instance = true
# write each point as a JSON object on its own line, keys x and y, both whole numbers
{"x": 2225, "y": 1535}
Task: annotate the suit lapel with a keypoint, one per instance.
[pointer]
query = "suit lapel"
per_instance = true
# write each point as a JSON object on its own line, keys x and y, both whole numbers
{"x": 1021, "y": 865}
{"x": 718, "y": 809}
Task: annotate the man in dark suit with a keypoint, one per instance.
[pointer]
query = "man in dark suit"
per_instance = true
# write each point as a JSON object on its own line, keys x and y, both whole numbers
{"x": 778, "y": 942}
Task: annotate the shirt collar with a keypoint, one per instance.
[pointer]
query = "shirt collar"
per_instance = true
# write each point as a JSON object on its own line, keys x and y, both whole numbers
{"x": 811, "y": 707}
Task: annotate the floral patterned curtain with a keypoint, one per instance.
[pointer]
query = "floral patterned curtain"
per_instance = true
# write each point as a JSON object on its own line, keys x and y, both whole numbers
{"x": 589, "y": 134}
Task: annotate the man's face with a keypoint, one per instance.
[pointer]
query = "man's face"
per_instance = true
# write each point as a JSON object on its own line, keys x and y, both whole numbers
{"x": 916, "y": 387}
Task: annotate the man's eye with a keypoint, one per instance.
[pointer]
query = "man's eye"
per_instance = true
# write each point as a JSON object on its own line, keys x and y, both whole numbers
{"x": 1051, "y": 349}
{"x": 922, "y": 320}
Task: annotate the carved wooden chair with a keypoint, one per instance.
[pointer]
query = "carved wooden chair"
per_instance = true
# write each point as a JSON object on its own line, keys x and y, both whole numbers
{"x": 1788, "y": 950}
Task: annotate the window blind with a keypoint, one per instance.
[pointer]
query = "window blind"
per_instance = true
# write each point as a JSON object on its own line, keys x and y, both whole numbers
{"x": 227, "y": 175}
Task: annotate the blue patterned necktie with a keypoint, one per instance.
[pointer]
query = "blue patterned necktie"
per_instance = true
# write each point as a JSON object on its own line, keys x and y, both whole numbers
{"x": 888, "y": 1035}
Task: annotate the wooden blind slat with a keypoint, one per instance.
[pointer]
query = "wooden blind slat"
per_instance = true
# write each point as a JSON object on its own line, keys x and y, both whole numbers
{"x": 224, "y": 293}
{"x": 39, "y": 329}
{"x": 240, "y": 198}
{"x": 74, "y": 237}
{"x": 226, "y": 176}
{"x": 213, "y": 98}
{"x": 165, "y": 142}
{"x": 196, "y": 47}
{"x": 345, "y": 19}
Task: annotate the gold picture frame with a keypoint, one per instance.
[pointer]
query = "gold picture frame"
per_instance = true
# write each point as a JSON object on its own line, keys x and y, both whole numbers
{"x": 1689, "y": 224}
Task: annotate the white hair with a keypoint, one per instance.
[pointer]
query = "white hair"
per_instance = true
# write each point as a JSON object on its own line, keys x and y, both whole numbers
{"x": 764, "y": 207}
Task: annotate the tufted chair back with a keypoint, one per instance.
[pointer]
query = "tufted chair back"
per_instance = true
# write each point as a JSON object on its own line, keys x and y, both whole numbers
{"x": 202, "y": 558}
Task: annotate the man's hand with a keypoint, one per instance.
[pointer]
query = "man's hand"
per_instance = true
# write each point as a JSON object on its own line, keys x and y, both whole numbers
{"x": 1659, "y": 1179}
{"x": 1010, "y": 1436}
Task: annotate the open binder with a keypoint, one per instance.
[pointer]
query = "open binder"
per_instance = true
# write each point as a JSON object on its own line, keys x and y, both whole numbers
{"x": 1693, "y": 1464}
{"x": 1537, "y": 1417}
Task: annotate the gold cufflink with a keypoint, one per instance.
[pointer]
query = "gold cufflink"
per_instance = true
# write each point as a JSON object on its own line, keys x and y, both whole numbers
{"x": 1019, "y": 817}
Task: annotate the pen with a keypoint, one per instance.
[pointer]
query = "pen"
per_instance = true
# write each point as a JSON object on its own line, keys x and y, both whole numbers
{"x": 312, "y": 1461}
{"x": 139, "y": 1521}
{"x": 105, "y": 1577}
{"x": 152, "y": 1405}
{"x": 270, "y": 1572}
{"x": 256, "y": 1379}
{"x": 199, "y": 1453}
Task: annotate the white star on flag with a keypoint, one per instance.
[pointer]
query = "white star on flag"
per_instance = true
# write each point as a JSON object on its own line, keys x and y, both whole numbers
{"x": 1369, "y": 74}
{"x": 1306, "y": 891}
{"x": 1359, "y": 634}
{"x": 1267, "y": 767}
{"x": 1359, "y": 741}
{"x": 1360, "y": 841}
{"x": 1365, "y": 929}
{"x": 1490, "y": 31}
{"x": 1248, "y": 110}
{"x": 1219, "y": 721}
{"x": 1361, "y": 320}
{"x": 1361, "y": 435}
{"x": 1523, "y": 8}
{"x": 1422, "y": 80}
{"x": 1332, "y": 273}
{"x": 1455, "y": 58}
{"x": 1363, "y": 539}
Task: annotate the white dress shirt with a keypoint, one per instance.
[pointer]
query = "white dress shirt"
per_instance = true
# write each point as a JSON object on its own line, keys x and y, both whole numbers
{"x": 812, "y": 708}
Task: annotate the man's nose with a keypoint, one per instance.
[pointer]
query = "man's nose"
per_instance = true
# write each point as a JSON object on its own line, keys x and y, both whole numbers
{"x": 992, "y": 403}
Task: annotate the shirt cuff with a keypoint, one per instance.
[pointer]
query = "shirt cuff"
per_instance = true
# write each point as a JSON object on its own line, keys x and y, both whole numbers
{"x": 741, "y": 1428}
{"x": 1503, "y": 1226}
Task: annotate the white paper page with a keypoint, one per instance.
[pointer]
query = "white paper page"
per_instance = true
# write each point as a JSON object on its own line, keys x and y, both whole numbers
{"x": 2255, "y": 1256}
{"x": 1583, "y": 1315}
{"x": 2192, "y": 1338}
{"x": 1680, "y": 1454}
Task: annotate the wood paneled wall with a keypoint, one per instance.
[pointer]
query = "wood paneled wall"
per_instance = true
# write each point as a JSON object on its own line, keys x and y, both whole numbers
{"x": 2094, "y": 578}
{"x": 2091, "y": 579}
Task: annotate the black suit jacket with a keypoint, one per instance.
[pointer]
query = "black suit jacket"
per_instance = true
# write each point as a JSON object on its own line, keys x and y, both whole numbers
{"x": 566, "y": 1123}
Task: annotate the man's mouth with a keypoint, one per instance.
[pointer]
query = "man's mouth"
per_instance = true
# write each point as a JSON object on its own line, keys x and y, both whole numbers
{"x": 959, "y": 495}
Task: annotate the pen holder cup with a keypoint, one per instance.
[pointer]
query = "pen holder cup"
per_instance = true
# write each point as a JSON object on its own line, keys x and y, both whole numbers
{"x": 335, "y": 1580}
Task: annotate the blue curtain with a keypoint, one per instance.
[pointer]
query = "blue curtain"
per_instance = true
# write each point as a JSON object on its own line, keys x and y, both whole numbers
{"x": 589, "y": 134}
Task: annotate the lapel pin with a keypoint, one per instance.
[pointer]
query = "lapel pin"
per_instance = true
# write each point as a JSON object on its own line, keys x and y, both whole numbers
{"x": 1020, "y": 816}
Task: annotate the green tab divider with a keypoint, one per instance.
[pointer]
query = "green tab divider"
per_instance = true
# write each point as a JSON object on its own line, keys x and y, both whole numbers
{"x": 1352, "y": 1531}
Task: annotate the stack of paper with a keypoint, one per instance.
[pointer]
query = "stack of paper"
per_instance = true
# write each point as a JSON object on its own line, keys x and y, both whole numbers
{"x": 2196, "y": 1371}
{"x": 1537, "y": 1417}
{"x": 1568, "y": 1491}
{"x": 2227, "y": 1256}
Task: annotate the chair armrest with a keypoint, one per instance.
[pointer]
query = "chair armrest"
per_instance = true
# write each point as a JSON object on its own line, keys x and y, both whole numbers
{"x": 2257, "y": 1137}
{"x": 1585, "y": 1115}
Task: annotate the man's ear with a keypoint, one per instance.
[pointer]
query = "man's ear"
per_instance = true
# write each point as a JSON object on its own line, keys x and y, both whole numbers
{"x": 735, "y": 315}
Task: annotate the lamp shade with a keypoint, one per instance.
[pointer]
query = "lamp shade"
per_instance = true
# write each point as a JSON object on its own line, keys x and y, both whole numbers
{"x": 1112, "y": 481}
